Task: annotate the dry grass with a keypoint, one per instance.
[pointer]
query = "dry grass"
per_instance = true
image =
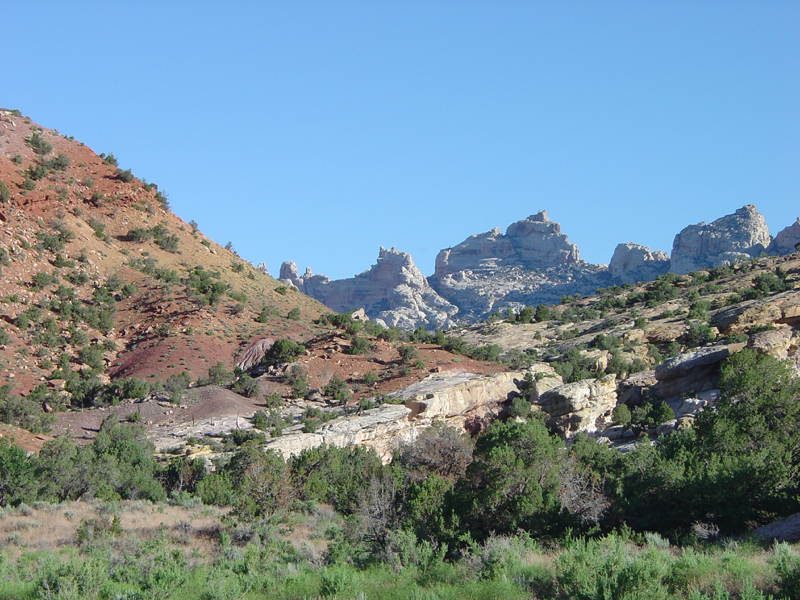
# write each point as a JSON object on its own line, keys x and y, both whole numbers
{"x": 50, "y": 527}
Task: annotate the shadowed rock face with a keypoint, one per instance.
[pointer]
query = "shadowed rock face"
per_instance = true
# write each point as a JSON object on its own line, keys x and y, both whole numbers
{"x": 632, "y": 263}
{"x": 393, "y": 290}
{"x": 740, "y": 235}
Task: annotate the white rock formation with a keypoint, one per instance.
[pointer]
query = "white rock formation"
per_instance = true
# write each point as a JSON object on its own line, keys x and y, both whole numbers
{"x": 732, "y": 237}
{"x": 787, "y": 240}
{"x": 580, "y": 406}
{"x": 393, "y": 290}
{"x": 632, "y": 262}
{"x": 451, "y": 398}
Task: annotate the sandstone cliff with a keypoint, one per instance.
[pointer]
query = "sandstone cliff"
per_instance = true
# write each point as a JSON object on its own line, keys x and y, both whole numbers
{"x": 393, "y": 291}
{"x": 632, "y": 262}
{"x": 787, "y": 240}
{"x": 732, "y": 237}
{"x": 449, "y": 398}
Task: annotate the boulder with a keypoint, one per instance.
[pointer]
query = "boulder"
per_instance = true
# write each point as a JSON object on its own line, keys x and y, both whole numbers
{"x": 632, "y": 262}
{"x": 578, "y": 407}
{"x": 787, "y": 240}
{"x": 775, "y": 342}
{"x": 740, "y": 235}
{"x": 632, "y": 390}
{"x": 692, "y": 372}
{"x": 548, "y": 380}
{"x": 783, "y": 530}
{"x": 254, "y": 353}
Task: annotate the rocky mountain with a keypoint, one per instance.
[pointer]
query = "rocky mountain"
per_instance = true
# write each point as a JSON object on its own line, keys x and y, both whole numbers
{"x": 730, "y": 238}
{"x": 101, "y": 280}
{"x": 632, "y": 262}
{"x": 393, "y": 291}
{"x": 787, "y": 240}
{"x": 531, "y": 263}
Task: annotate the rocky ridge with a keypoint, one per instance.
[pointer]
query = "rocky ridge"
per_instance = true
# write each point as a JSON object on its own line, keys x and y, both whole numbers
{"x": 531, "y": 263}
{"x": 392, "y": 291}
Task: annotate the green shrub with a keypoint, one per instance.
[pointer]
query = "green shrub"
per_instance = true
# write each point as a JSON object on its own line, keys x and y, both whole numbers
{"x": 359, "y": 345}
{"x": 245, "y": 386}
{"x": 700, "y": 334}
{"x": 266, "y": 313}
{"x": 38, "y": 144}
{"x": 297, "y": 377}
{"x": 407, "y": 354}
{"x": 125, "y": 176}
{"x": 337, "y": 389}
{"x": 621, "y": 415}
{"x": 294, "y": 314}
{"x": 42, "y": 280}
{"x": 57, "y": 163}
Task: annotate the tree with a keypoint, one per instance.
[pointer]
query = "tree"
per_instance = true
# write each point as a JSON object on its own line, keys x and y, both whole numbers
{"x": 16, "y": 474}
{"x": 513, "y": 482}
{"x": 737, "y": 467}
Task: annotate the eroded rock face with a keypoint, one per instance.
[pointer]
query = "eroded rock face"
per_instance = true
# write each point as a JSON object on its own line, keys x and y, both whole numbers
{"x": 580, "y": 406}
{"x": 787, "y": 240}
{"x": 781, "y": 308}
{"x": 254, "y": 353}
{"x": 740, "y": 235}
{"x": 449, "y": 398}
{"x": 535, "y": 242}
{"x": 532, "y": 263}
{"x": 632, "y": 262}
{"x": 393, "y": 290}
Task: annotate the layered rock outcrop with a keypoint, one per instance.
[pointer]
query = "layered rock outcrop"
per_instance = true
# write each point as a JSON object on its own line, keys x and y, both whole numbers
{"x": 724, "y": 241}
{"x": 583, "y": 406}
{"x": 787, "y": 240}
{"x": 393, "y": 291}
{"x": 449, "y": 398}
{"x": 632, "y": 262}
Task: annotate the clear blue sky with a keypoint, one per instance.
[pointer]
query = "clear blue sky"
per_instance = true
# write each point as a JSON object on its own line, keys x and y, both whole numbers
{"x": 319, "y": 131}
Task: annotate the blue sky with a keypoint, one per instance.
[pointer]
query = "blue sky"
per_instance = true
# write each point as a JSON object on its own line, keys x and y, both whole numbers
{"x": 319, "y": 131}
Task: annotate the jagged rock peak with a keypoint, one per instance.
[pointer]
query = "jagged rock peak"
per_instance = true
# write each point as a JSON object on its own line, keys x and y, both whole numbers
{"x": 787, "y": 240}
{"x": 533, "y": 243}
{"x": 288, "y": 270}
{"x": 632, "y": 262}
{"x": 729, "y": 238}
{"x": 393, "y": 291}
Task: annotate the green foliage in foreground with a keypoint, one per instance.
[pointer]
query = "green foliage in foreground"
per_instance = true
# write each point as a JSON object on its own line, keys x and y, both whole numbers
{"x": 451, "y": 517}
{"x": 112, "y": 563}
